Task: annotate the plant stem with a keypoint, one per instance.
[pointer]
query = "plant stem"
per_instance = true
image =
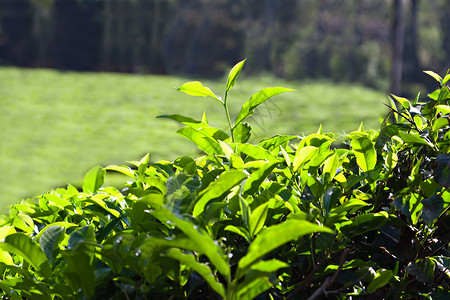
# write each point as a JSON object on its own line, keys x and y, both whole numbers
{"x": 225, "y": 105}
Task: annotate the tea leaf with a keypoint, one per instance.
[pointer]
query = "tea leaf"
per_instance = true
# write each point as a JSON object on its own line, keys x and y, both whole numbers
{"x": 204, "y": 243}
{"x": 258, "y": 98}
{"x": 202, "y": 269}
{"x": 196, "y": 88}
{"x": 275, "y": 236}
{"x": 258, "y": 218}
{"x": 381, "y": 279}
{"x": 93, "y": 180}
{"x": 365, "y": 153}
{"x": 23, "y": 245}
{"x": 434, "y": 75}
{"x": 205, "y": 143}
{"x": 232, "y": 76}
{"x": 222, "y": 185}
{"x": 49, "y": 239}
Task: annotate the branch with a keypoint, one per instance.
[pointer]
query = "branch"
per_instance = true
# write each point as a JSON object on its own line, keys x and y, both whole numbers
{"x": 329, "y": 281}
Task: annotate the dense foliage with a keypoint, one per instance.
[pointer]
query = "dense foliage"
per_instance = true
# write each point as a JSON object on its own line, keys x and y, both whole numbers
{"x": 291, "y": 217}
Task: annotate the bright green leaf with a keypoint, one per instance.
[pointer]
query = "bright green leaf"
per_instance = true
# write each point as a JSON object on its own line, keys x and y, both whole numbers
{"x": 258, "y": 218}
{"x": 221, "y": 186}
{"x": 275, "y": 236}
{"x": 49, "y": 239}
{"x": 434, "y": 75}
{"x": 23, "y": 245}
{"x": 232, "y": 76}
{"x": 303, "y": 155}
{"x": 366, "y": 156}
{"x": 258, "y": 98}
{"x": 196, "y": 88}
{"x": 382, "y": 277}
{"x": 93, "y": 180}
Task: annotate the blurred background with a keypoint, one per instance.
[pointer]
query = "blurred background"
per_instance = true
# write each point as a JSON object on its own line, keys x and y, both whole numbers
{"x": 81, "y": 81}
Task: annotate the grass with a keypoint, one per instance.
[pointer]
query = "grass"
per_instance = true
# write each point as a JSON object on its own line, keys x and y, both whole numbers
{"x": 56, "y": 125}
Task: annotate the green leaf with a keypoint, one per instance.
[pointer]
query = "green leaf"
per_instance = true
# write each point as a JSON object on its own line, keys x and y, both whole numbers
{"x": 445, "y": 79}
{"x": 434, "y": 75}
{"x": 303, "y": 155}
{"x": 242, "y": 132}
{"x": 79, "y": 272}
{"x": 433, "y": 207}
{"x": 442, "y": 174}
{"x": 196, "y": 88}
{"x": 403, "y": 101}
{"x": 269, "y": 266}
{"x": 411, "y": 138}
{"x": 49, "y": 239}
{"x": 382, "y": 277}
{"x": 258, "y": 98}
{"x": 239, "y": 230}
{"x": 386, "y": 133}
{"x": 366, "y": 156}
{"x": 93, "y": 180}
{"x": 258, "y": 218}
{"x": 202, "y": 269}
{"x": 121, "y": 169}
{"x": 204, "y": 243}
{"x": 232, "y": 76}
{"x": 221, "y": 186}
{"x": 349, "y": 205}
{"x": 250, "y": 289}
{"x": 255, "y": 152}
{"x": 205, "y": 143}
{"x": 276, "y": 141}
{"x": 422, "y": 269}
{"x": 275, "y": 236}
{"x": 257, "y": 177}
{"x": 443, "y": 264}
{"x": 185, "y": 120}
{"x": 330, "y": 167}
{"x": 24, "y": 246}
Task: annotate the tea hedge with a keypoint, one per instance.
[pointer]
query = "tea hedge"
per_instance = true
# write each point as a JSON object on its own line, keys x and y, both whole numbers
{"x": 292, "y": 217}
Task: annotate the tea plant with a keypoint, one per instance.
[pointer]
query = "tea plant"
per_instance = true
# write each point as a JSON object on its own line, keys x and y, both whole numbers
{"x": 292, "y": 217}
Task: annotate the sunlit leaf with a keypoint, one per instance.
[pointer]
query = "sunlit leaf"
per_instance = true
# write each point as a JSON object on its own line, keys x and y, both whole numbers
{"x": 434, "y": 75}
{"x": 365, "y": 153}
{"x": 205, "y": 143}
{"x": 93, "y": 180}
{"x": 23, "y": 245}
{"x": 196, "y": 88}
{"x": 221, "y": 186}
{"x": 275, "y": 236}
{"x": 258, "y": 218}
{"x": 382, "y": 278}
{"x": 202, "y": 269}
{"x": 303, "y": 155}
{"x": 258, "y": 98}
{"x": 234, "y": 73}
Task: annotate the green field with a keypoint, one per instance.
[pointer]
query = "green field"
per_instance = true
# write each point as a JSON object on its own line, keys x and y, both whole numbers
{"x": 56, "y": 125}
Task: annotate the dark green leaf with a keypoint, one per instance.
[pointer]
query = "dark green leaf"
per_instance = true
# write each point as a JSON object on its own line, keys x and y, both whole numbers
{"x": 49, "y": 240}
{"x": 204, "y": 243}
{"x": 433, "y": 207}
{"x": 202, "y": 269}
{"x": 443, "y": 170}
{"x": 80, "y": 273}
{"x": 422, "y": 269}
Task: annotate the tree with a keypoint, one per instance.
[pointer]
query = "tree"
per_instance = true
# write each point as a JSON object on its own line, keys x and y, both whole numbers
{"x": 398, "y": 32}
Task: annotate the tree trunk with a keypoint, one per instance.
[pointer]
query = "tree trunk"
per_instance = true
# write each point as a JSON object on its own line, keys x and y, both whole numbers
{"x": 411, "y": 64}
{"x": 398, "y": 32}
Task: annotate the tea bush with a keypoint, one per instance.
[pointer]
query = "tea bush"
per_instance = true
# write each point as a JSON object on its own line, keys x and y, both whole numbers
{"x": 292, "y": 217}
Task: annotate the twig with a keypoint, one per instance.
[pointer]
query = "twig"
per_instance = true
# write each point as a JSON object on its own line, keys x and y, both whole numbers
{"x": 329, "y": 281}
